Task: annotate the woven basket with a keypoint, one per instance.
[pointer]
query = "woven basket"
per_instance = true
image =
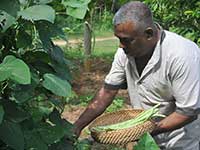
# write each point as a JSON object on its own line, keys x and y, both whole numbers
{"x": 120, "y": 136}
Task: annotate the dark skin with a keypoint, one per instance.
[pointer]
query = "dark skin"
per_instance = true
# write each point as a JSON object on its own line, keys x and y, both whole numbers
{"x": 140, "y": 45}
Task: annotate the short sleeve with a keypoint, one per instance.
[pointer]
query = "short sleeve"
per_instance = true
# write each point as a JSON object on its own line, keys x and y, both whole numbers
{"x": 116, "y": 78}
{"x": 185, "y": 80}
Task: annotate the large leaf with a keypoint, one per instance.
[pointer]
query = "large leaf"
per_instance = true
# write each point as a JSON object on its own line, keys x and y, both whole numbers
{"x": 10, "y": 6}
{"x": 57, "y": 55}
{"x": 64, "y": 144}
{"x": 33, "y": 56}
{"x": 77, "y": 12}
{"x": 6, "y": 21}
{"x": 20, "y": 96}
{"x": 56, "y": 85}
{"x": 76, "y": 8}
{"x": 42, "y": 67}
{"x": 24, "y": 40}
{"x": 75, "y": 3}
{"x": 1, "y": 113}
{"x": 55, "y": 118}
{"x": 38, "y": 12}
{"x": 42, "y": 1}
{"x": 12, "y": 135}
{"x": 47, "y": 31}
{"x": 13, "y": 113}
{"x": 146, "y": 142}
{"x": 50, "y": 134}
{"x": 34, "y": 141}
{"x": 15, "y": 69}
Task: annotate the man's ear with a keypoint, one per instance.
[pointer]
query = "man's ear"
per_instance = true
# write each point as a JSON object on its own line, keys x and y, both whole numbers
{"x": 149, "y": 33}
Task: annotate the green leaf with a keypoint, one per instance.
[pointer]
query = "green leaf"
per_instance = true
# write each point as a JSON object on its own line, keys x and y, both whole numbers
{"x": 11, "y": 6}
{"x": 15, "y": 69}
{"x": 24, "y": 40}
{"x": 42, "y": 1}
{"x": 38, "y": 12}
{"x": 42, "y": 67}
{"x": 188, "y": 12}
{"x": 1, "y": 114}
{"x": 55, "y": 117}
{"x": 23, "y": 2}
{"x": 77, "y": 12}
{"x": 64, "y": 144}
{"x": 56, "y": 85}
{"x": 6, "y": 21}
{"x": 20, "y": 96}
{"x": 33, "y": 56}
{"x": 50, "y": 134}
{"x": 76, "y": 8}
{"x": 34, "y": 141}
{"x": 47, "y": 31}
{"x": 57, "y": 55}
{"x": 12, "y": 135}
{"x": 146, "y": 142}
{"x": 13, "y": 113}
{"x": 75, "y": 3}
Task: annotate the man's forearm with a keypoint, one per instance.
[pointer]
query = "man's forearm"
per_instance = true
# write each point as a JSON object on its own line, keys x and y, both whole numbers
{"x": 172, "y": 122}
{"x": 97, "y": 106}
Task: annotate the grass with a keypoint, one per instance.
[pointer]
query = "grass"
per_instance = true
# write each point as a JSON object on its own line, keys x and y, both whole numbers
{"x": 98, "y": 34}
{"x": 103, "y": 49}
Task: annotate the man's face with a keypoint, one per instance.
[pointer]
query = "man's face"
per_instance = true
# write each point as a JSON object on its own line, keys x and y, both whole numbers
{"x": 134, "y": 43}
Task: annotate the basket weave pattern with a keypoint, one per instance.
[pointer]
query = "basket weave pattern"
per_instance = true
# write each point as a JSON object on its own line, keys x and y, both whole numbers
{"x": 120, "y": 136}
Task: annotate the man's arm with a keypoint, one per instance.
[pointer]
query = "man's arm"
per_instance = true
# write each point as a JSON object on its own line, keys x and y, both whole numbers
{"x": 100, "y": 102}
{"x": 172, "y": 122}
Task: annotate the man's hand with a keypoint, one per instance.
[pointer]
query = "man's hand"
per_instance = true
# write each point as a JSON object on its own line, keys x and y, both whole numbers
{"x": 97, "y": 106}
{"x": 172, "y": 122}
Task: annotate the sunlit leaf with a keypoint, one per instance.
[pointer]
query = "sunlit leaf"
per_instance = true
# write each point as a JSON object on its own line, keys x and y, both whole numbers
{"x": 42, "y": 1}
{"x": 38, "y": 12}
{"x": 6, "y": 21}
{"x": 146, "y": 142}
{"x": 56, "y": 85}
{"x": 77, "y": 12}
{"x": 15, "y": 69}
{"x": 75, "y": 3}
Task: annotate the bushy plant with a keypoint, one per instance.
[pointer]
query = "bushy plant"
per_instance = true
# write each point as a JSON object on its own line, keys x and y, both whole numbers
{"x": 35, "y": 75}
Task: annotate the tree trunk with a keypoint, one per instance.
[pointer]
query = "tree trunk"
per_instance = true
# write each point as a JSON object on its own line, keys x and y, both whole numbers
{"x": 87, "y": 46}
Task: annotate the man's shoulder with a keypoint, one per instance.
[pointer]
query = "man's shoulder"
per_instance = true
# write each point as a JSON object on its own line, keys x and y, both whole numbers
{"x": 176, "y": 40}
{"x": 120, "y": 55}
{"x": 175, "y": 45}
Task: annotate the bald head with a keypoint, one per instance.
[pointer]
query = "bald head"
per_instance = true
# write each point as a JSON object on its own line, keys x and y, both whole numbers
{"x": 136, "y": 12}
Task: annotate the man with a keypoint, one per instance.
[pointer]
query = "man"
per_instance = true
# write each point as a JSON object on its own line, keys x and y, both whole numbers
{"x": 157, "y": 66}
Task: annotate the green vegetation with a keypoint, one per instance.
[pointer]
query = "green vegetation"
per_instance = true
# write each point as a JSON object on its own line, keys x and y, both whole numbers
{"x": 35, "y": 76}
{"x": 146, "y": 142}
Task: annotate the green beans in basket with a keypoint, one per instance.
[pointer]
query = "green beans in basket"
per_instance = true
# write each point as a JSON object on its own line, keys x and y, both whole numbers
{"x": 141, "y": 118}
